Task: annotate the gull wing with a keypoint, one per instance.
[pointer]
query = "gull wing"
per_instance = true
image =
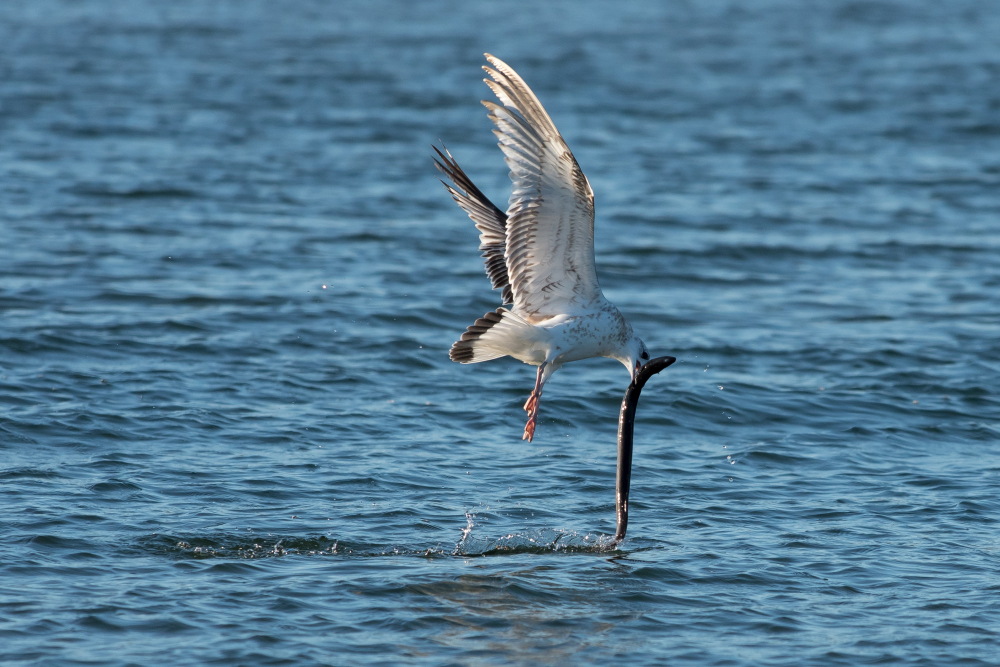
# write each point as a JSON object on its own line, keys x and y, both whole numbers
{"x": 490, "y": 221}
{"x": 550, "y": 216}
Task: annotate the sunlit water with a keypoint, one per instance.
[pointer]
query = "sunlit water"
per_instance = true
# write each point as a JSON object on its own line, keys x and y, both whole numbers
{"x": 230, "y": 430}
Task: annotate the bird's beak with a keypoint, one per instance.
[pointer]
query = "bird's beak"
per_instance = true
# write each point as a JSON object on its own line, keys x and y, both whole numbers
{"x": 635, "y": 369}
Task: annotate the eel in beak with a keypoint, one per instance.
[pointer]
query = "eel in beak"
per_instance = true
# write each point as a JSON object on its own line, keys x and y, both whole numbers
{"x": 626, "y": 426}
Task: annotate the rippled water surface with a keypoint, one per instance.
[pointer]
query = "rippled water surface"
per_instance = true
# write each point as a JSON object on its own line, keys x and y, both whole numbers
{"x": 230, "y": 431}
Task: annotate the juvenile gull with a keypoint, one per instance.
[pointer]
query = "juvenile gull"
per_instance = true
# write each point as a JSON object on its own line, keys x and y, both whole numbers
{"x": 540, "y": 252}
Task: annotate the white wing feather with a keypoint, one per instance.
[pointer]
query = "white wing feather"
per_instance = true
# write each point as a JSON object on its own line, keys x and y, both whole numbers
{"x": 550, "y": 215}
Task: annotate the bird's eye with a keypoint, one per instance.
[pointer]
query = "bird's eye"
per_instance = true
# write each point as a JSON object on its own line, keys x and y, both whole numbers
{"x": 645, "y": 355}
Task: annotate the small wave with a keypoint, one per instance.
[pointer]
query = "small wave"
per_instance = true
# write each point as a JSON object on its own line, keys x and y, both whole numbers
{"x": 140, "y": 192}
{"x": 28, "y": 473}
{"x": 243, "y": 547}
{"x": 545, "y": 540}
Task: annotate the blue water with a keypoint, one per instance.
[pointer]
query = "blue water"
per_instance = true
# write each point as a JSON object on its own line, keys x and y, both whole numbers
{"x": 230, "y": 432}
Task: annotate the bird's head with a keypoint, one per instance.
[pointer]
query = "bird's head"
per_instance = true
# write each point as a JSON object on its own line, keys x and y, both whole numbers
{"x": 637, "y": 355}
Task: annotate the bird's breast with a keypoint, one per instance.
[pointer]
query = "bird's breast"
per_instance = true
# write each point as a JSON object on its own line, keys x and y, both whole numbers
{"x": 598, "y": 334}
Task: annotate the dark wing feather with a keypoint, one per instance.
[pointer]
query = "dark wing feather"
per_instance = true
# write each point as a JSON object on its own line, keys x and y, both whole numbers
{"x": 490, "y": 221}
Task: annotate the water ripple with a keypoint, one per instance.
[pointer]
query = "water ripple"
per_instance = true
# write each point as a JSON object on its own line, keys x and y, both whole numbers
{"x": 230, "y": 429}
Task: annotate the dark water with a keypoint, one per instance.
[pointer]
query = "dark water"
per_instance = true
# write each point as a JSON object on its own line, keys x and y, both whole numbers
{"x": 206, "y": 456}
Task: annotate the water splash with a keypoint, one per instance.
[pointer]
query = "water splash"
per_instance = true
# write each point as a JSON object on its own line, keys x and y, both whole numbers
{"x": 545, "y": 540}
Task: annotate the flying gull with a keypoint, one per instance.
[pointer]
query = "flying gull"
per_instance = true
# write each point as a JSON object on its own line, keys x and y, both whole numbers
{"x": 540, "y": 253}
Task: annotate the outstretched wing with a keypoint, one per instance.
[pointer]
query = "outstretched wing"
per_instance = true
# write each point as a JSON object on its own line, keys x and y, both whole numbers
{"x": 550, "y": 217}
{"x": 490, "y": 221}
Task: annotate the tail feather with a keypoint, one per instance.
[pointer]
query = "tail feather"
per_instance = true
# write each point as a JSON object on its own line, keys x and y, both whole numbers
{"x": 495, "y": 334}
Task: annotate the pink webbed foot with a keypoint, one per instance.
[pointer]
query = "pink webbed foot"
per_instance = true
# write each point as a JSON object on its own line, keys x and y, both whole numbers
{"x": 529, "y": 428}
{"x": 531, "y": 406}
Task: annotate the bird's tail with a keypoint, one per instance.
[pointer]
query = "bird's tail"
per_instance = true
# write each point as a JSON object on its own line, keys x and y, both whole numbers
{"x": 495, "y": 334}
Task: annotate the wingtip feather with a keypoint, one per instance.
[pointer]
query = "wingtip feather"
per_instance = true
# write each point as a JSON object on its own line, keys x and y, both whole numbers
{"x": 496, "y": 62}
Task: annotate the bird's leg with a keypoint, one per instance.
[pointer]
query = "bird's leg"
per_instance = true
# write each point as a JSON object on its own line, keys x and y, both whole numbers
{"x": 531, "y": 407}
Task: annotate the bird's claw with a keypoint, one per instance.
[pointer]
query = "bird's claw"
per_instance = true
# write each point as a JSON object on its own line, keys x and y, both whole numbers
{"x": 529, "y": 428}
{"x": 531, "y": 407}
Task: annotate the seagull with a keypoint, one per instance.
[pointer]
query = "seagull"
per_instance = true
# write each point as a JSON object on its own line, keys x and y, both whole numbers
{"x": 540, "y": 253}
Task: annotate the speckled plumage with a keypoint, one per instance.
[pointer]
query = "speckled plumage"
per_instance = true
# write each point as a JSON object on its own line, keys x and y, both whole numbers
{"x": 546, "y": 239}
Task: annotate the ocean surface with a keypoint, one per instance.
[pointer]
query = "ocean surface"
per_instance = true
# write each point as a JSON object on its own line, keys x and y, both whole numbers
{"x": 230, "y": 432}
